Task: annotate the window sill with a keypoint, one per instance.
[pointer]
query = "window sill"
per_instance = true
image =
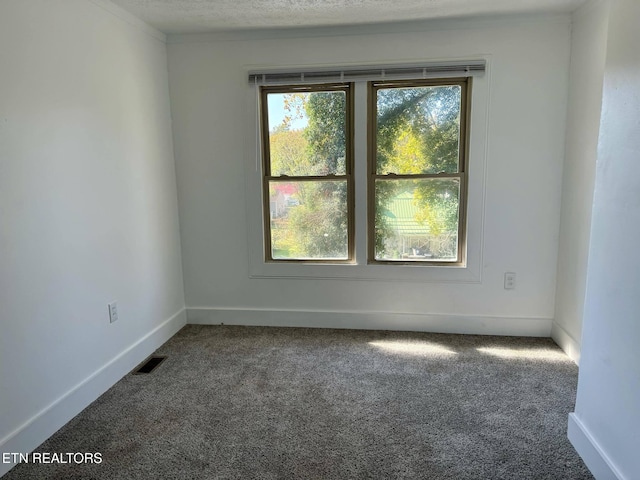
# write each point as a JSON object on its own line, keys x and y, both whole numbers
{"x": 370, "y": 272}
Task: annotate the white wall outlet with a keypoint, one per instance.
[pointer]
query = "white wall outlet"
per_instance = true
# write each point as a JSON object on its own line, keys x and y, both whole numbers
{"x": 113, "y": 312}
{"x": 509, "y": 281}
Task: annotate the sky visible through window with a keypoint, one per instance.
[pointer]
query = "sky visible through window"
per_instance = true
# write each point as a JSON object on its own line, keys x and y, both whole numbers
{"x": 277, "y": 113}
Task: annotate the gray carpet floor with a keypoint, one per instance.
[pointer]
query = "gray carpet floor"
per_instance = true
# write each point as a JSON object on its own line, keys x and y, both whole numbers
{"x": 279, "y": 403}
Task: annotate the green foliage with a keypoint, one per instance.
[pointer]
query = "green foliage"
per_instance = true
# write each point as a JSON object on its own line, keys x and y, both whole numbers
{"x": 418, "y": 132}
{"x": 427, "y": 118}
{"x": 316, "y": 225}
{"x": 319, "y": 222}
{"x": 326, "y": 132}
{"x": 289, "y": 153}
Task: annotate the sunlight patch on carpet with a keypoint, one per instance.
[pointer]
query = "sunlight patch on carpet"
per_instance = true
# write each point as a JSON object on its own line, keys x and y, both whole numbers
{"x": 525, "y": 353}
{"x": 413, "y": 348}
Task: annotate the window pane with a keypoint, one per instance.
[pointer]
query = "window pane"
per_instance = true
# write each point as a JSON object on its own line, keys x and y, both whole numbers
{"x": 417, "y": 220}
{"x": 418, "y": 130}
{"x": 307, "y": 132}
{"x": 309, "y": 220}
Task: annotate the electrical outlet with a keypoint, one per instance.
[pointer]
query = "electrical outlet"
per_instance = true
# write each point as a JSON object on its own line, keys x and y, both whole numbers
{"x": 509, "y": 281}
{"x": 113, "y": 312}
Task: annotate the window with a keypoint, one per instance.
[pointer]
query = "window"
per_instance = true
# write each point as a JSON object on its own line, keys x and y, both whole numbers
{"x": 396, "y": 193}
{"x": 417, "y": 183}
{"x": 308, "y": 181}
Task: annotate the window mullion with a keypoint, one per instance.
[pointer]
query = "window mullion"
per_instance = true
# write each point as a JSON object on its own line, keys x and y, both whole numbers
{"x": 394, "y": 176}
{"x": 307, "y": 178}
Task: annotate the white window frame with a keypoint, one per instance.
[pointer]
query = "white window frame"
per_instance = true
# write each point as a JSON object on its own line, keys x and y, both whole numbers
{"x": 360, "y": 269}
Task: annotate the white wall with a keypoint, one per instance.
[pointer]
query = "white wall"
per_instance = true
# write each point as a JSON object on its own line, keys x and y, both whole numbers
{"x": 520, "y": 205}
{"x": 588, "y": 50}
{"x": 606, "y": 422}
{"x": 88, "y": 206}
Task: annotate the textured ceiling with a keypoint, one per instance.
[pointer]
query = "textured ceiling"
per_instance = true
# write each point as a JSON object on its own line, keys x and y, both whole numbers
{"x": 190, "y": 16}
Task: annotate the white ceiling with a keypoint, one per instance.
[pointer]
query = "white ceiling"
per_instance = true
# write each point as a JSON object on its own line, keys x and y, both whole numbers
{"x": 191, "y": 16}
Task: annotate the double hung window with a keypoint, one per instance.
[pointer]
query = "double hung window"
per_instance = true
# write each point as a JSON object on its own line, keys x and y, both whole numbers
{"x": 416, "y": 174}
{"x": 308, "y": 181}
{"x": 417, "y": 183}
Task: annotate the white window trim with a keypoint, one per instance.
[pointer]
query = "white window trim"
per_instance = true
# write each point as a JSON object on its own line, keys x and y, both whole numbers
{"x": 360, "y": 270}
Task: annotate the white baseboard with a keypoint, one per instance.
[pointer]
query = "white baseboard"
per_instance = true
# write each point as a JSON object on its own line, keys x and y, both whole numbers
{"x": 436, "y": 323}
{"x": 45, "y": 423}
{"x": 566, "y": 342}
{"x": 592, "y": 454}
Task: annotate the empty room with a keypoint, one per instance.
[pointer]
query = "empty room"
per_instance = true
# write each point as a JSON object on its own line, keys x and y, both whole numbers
{"x": 303, "y": 239}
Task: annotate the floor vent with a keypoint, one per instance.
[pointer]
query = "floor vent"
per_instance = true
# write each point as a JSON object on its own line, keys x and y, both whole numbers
{"x": 149, "y": 365}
